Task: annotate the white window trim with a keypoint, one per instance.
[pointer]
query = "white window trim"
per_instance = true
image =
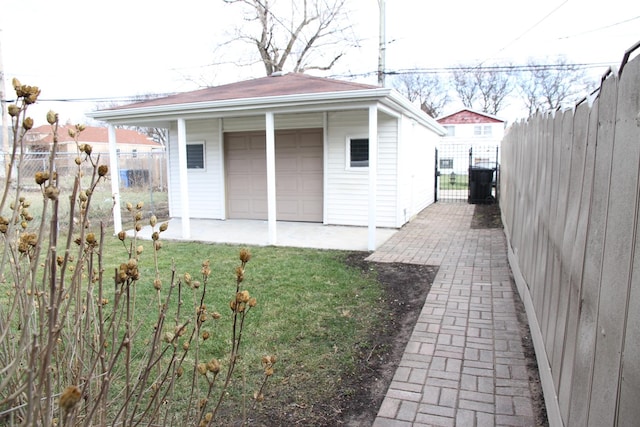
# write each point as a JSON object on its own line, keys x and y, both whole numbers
{"x": 204, "y": 157}
{"x": 348, "y": 154}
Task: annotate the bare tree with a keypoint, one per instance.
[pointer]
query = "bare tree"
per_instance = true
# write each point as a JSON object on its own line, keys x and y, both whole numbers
{"x": 494, "y": 87}
{"x": 314, "y": 36}
{"x": 550, "y": 85}
{"x": 159, "y": 135}
{"x": 427, "y": 89}
{"x": 485, "y": 88}
{"x": 465, "y": 85}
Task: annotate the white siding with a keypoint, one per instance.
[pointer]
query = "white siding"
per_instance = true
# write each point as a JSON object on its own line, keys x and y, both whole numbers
{"x": 346, "y": 194}
{"x": 206, "y": 188}
{"x": 282, "y": 121}
{"x": 417, "y": 174}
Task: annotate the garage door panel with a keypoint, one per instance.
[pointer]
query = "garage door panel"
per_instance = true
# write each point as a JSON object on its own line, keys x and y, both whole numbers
{"x": 299, "y": 175}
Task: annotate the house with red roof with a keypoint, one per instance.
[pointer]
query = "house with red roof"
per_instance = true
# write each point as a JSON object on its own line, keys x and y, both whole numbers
{"x": 128, "y": 141}
{"x": 473, "y": 138}
{"x": 293, "y": 147}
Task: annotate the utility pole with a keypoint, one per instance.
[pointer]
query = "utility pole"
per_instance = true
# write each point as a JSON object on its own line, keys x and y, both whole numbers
{"x": 382, "y": 43}
{"x": 5, "y": 116}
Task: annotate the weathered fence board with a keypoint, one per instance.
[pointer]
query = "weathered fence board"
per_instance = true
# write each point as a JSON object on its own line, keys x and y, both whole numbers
{"x": 571, "y": 203}
{"x": 573, "y": 247}
{"x": 621, "y": 316}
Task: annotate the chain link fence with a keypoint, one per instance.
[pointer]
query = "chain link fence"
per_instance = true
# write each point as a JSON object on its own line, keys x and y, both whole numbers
{"x": 142, "y": 178}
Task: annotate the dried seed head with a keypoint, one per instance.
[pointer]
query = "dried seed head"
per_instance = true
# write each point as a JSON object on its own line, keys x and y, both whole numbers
{"x": 52, "y": 117}
{"x": 51, "y": 192}
{"x": 70, "y": 397}
{"x": 153, "y": 220}
{"x": 243, "y": 296}
{"x": 164, "y": 226}
{"x": 168, "y": 337}
{"x": 205, "y": 335}
{"x": 14, "y": 110}
{"x": 239, "y": 274}
{"x": 91, "y": 239}
{"x": 129, "y": 206}
{"x": 140, "y": 205}
{"x": 213, "y": 366}
{"x": 103, "y": 170}
{"x": 245, "y": 255}
{"x": 27, "y": 123}
{"x": 122, "y": 235}
{"x": 202, "y": 368}
{"x": 157, "y": 284}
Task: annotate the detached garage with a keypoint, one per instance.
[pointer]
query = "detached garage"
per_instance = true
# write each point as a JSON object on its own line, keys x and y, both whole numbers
{"x": 292, "y": 147}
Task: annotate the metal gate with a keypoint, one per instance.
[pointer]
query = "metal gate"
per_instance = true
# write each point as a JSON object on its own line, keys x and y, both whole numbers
{"x": 456, "y": 163}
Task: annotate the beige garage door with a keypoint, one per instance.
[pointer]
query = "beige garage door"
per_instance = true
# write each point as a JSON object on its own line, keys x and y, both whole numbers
{"x": 298, "y": 175}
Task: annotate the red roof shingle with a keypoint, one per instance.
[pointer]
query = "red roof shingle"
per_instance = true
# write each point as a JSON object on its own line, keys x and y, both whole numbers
{"x": 44, "y": 134}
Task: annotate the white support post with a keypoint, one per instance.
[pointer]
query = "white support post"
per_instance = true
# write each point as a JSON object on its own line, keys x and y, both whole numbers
{"x": 115, "y": 178}
{"x": 184, "y": 184}
{"x": 373, "y": 174}
{"x": 271, "y": 178}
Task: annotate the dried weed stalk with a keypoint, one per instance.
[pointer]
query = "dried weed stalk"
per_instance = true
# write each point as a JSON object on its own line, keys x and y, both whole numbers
{"x": 72, "y": 351}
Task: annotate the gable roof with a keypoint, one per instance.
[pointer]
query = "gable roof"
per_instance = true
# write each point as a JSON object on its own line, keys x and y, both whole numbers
{"x": 468, "y": 116}
{"x": 294, "y": 92}
{"x": 91, "y": 134}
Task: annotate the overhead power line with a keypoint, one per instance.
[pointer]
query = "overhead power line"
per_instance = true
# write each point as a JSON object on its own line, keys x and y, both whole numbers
{"x": 512, "y": 69}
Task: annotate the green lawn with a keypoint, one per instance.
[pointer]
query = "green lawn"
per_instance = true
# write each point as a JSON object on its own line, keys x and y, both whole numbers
{"x": 313, "y": 314}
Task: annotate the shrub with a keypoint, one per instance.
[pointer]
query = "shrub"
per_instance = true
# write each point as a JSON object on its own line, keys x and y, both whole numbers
{"x": 73, "y": 348}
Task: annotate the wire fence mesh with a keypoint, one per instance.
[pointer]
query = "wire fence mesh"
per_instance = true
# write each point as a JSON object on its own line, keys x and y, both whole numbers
{"x": 142, "y": 178}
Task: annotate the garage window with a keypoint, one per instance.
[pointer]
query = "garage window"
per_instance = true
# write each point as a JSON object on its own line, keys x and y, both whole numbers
{"x": 195, "y": 156}
{"x": 358, "y": 152}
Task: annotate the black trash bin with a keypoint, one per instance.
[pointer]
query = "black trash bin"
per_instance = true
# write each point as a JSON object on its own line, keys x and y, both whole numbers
{"x": 480, "y": 185}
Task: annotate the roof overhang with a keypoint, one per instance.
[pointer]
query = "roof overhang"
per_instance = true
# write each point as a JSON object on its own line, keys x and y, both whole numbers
{"x": 297, "y": 103}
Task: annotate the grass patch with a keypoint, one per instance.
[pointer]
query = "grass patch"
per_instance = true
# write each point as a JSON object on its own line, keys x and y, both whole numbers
{"x": 454, "y": 182}
{"x": 314, "y": 313}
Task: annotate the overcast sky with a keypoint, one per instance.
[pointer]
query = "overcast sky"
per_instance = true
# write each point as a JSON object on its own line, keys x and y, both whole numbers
{"x": 76, "y": 49}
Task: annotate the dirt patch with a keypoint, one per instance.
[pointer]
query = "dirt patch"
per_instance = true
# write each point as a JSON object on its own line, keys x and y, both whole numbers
{"x": 405, "y": 288}
{"x": 486, "y": 216}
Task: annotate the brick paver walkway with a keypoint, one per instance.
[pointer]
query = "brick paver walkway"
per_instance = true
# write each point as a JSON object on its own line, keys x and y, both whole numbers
{"x": 464, "y": 364}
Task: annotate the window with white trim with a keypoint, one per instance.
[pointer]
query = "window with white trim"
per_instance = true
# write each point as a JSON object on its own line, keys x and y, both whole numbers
{"x": 451, "y": 130}
{"x": 195, "y": 156}
{"x": 446, "y": 163}
{"x": 358, "y": 152}
{"x": 482, "y": 130}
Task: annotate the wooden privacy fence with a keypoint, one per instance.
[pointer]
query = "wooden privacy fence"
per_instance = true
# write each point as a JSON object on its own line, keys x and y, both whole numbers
{"x": 570, "y": 204}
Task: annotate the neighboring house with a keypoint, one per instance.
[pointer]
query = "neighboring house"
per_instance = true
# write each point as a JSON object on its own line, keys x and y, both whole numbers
{"x": 292, "y": 147}
{"x": 128, "y": 141}
{"x": 469, "y": 129}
